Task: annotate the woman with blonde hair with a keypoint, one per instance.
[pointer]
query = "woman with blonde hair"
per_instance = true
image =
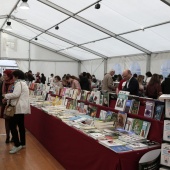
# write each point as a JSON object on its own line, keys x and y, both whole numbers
{"x": 141, "y": 86}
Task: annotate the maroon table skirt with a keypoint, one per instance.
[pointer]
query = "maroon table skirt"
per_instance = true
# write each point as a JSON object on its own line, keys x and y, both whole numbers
{"x": 75, "y": 150}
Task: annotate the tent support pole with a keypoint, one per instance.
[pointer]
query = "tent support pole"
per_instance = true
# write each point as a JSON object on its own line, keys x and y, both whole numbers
{"x": 105, "y": 66}
{"x": 148, "y": 63}
{"x": 0, "y": 44}
{"x": 29, "y": 56}
{"x": 79, "y": 67}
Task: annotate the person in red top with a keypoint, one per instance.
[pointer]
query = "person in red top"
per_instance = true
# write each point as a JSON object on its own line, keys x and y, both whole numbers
{"x": 7, "y": 87}
{"x": 153, "y": 89}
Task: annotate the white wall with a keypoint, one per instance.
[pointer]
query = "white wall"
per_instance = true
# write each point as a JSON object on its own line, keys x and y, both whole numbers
{"x": 12, "y": 47}
{"x": 37, "y": 52}
{"x": 157, "y": 60}
{"x": 95, "y": 67}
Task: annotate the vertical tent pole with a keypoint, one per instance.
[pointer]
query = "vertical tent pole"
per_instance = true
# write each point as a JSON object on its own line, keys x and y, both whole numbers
{"x": 29, "y": 56}
{"x": 0, "y": 45}
{"x": 105, "y": 66}
{"x": 148, "y": 62}
{"x": 79, "y": 67}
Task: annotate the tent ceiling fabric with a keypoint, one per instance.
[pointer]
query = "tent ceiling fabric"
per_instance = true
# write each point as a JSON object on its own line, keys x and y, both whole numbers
{"x": 90, "y": 41}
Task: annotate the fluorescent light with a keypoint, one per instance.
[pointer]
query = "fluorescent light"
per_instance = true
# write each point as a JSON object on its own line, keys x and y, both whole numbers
{"x": 24, "y": 5}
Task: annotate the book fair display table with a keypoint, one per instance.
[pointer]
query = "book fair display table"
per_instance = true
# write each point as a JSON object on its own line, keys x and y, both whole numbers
{"x": 74, "y": 149}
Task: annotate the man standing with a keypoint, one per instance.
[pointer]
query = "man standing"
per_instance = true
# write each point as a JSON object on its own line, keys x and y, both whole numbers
{"x": 132, "y": 84}
{"x": 107, "y": 83}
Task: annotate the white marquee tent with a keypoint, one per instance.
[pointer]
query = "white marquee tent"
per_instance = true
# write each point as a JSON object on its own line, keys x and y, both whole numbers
{"x": 132, "y": 34}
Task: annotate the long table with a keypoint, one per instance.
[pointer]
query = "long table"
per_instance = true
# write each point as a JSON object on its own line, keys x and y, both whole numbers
{"x": 74, "y": 149}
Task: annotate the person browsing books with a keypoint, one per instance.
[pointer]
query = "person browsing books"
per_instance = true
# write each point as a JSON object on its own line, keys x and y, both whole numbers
{"x": 107, "y": 83}
{"x": 132, "y": 84}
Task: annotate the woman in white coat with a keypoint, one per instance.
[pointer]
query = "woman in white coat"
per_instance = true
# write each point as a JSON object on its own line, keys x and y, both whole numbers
{"x": 20, "y": 99}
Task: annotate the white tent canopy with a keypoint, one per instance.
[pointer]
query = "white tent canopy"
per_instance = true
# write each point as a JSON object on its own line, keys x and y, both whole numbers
{"x": 119, "y": 30}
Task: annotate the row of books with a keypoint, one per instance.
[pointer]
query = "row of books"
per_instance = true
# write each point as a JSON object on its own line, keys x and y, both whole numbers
{"x": 131, "y": 104}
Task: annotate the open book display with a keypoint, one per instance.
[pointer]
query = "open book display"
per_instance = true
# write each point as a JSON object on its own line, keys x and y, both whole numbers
{"x": 113, "y": 129}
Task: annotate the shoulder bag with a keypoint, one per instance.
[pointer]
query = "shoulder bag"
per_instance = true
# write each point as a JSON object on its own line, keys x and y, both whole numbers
{"x": 9, "y": 109}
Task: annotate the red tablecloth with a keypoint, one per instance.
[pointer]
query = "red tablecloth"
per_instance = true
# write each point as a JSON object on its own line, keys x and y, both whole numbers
{"x": 75, "y": 150}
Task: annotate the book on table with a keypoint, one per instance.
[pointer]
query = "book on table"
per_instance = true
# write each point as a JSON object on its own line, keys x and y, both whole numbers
{"x": 120, "y": 149}
{"x": 166, "y": 131}
{"x": 137, "y": 146}
{"x": 106, "y": 115}
{"x": 167, "y": 108}
{"x": 120, "y": 121}
{"x": 159, "y": 108}
{"x": 91, "y": 110}
{"x": 113, "y": 142}
{"x": 121, "y": 100}
{"x": 149, "y": 109}
{"x": 135, "y": 106}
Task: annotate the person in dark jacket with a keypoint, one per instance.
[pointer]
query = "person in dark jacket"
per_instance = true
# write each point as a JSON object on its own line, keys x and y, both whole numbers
{"x": 132, "y": 84}
{"x": 84, "y": 82}
{"x": 43, "y": 78}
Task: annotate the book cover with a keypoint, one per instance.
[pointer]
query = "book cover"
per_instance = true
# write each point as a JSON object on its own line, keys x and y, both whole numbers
{"x": 105, "y": 99}
{"x": 106, "y": 115}
{"x": 135, "y": 106}
{"x": 121, "y": 120}
{"x": 111, "y": 96}
{"x": 149, "y": 109}
{"x": 114, "y": 142}
{"x": 128, "y": 106}
{"x": 129, "y": 124}
{"x": 145, "y": 129}
{"x": 167, "y": 108}
{"x": 120, "y": 149}
{"x": 165, "y": 154}
{"x": 75, "y": 94}
{"x": 150, "y": 143}
{"x": 137, "y": 126}
{"x": 58, "y": 90}
{"x": 84, "y": 95}
{"x": 80, "y": 107}
{"x": 96, "y": 98}
{"x": 137, "y": 146}
{"x": 166, "y": 132}
{"x": 121, "y": 100}
{"x": 92, "y": 110}
{"x": 158, "y": 111}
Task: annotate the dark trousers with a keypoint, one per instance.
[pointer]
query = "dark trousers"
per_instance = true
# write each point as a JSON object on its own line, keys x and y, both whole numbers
{"x": 17, "y": 122}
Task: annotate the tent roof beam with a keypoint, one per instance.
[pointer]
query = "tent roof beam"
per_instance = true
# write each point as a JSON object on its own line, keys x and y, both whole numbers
{"x": 57, "y": 36}
{"x": 25, "y": 39}
{"x": 56, "y": 7}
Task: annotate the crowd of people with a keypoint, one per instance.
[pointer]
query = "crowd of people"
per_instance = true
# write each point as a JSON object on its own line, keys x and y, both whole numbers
{"x": 14, "y": 90}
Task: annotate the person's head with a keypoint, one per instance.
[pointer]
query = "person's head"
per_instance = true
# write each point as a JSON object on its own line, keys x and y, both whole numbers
{"x": 154, "y": 79}
{"x": 42, "y": 74}
{"x": 38, "y": 73}
{"x": 52, "y": 75}
{"x": 18, "y": 74}
{"x": 161, "y": 77}
{"x": 119, "y": 77}
{"x": 148, "y": 74}
{"x": 140, "y": 79}
{"x": 127, "y": 74}
{"x": 84, "y": 74}
{"x": 57, "y": 78}
{"x": 69, "y": 78}
{"x": 111, "y": 72}
{"x": 64, "y": 82}
{"x": 135, "y": 75}
{"x": 88, "y": 75}
{"x": 7, "y": 75}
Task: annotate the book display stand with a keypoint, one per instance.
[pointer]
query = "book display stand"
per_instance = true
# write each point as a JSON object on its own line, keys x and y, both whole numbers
{"x": 64, "y": 141}
{"x": 165, "y": 148}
